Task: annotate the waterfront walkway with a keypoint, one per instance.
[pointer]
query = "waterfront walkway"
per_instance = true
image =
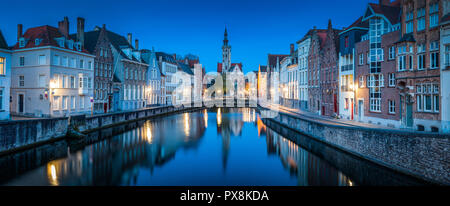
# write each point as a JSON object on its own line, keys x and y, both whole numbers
{"x": 331, "y": 120}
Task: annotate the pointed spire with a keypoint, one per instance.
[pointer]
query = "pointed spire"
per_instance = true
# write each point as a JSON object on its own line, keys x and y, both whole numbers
{"x": 225, "y": 37}
{"x": 329, "y": 24}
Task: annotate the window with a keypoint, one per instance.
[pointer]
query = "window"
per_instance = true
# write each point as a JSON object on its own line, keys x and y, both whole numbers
{"x": 421, "y": 61}
{"x": 21, "y": 81}
{"x": 55, "y": 102}
{"x": 436, "y": 103}
{"x": 90, "y": 83}
{"x": 410, "y": 62}
{"x": 392, "y": 53}
{"x": 434, "y": 60}
{"x": 90, "y": 65}
{"x": 80, "y": 82}
{"x": 56, "y": 60}
{"x": 21, "y": 61}
{"x": 64, "y": 103}
{"x": 361, "y": 59}
{"x": 65, "y": 61}
{"x": 401, "y": 63}
{"x": 81, "y": 64}
{"x": 72, "y": 82}
{"x": 392, "y": 79}
{"x": 82, "y": 102}
{"x": 447, "y": 55}
{"x": 2, "y": 66}
{"x": 22, "y": 42}
{"x": 409, "y": 22}
{"x": 434, "y": 15}
{"x": 64, "y": 81}
{"x": 391, "y": 107}
{"x": 1, "y": 98}
{"x": 420, "y": 19}
{"x": 428, "y": 97}
{"x": 73, "y": 102}
{"x": 42, "y": 60}
{"x": 42, "y": 81}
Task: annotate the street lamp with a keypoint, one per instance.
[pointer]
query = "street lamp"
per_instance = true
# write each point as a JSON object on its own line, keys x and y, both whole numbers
{"x": 50, "y": 96}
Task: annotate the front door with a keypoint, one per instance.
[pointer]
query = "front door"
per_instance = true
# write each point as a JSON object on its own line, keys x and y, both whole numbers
{"x": 351, "y": 108}
{"x": 360, "y": 109}
{"x": 21, "y": 103}
{"x": 409, "y": 116}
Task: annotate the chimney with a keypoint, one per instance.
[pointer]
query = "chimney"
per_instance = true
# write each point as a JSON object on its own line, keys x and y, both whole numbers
{"x": 385, "y": 2}
{"x": 64, "y": 27}
{"x": 19, "y": 31}
{"x": 80, "y": 30}
{"x": 292, "y": 48}
{"x": 129, "y": 37}
{"x": 136, "y": 44}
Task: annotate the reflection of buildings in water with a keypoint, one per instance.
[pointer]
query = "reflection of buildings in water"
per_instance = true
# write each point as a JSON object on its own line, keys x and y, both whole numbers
{"x": 261, "y": 127}
{"x": 309, "y": 169}
{"x": 113, "y": 161}
{"x": 231, "y": 124}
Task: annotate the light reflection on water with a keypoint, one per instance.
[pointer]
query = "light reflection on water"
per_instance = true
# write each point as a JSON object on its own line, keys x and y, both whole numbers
{"x": 217, "y": 147}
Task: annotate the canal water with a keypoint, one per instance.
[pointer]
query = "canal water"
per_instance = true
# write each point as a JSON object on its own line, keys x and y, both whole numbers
{"x": 226, "y": 146}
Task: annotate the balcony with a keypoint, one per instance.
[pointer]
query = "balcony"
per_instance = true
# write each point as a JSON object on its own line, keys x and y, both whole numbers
{"x": 346, "y": 67}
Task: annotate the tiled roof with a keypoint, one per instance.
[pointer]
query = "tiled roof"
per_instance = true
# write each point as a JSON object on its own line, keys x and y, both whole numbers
{"x": 391, "y": 12}
{"x": 272, "y": 59}
{"x": 308, "y": 34}
{"x": 219, "y": 66}
{"x": 407, "y": 38}
{"x": 3, "y": 44}
{"x": 47, "y": 34}
{"x": 90, "y": 40}
{"x": 358, "y": 23}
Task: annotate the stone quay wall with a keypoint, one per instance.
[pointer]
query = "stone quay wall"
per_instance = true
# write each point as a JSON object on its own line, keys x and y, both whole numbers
{"x": 24, "y": 134}
{"x": 420, "y": 154}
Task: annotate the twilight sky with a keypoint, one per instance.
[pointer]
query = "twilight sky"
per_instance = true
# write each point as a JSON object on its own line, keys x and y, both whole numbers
{"x": 255, "y": 27}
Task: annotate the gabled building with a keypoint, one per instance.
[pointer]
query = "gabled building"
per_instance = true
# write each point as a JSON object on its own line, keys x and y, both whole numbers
{"x": 316, "y": 53}
{"x": 377, "y": 96}
{"x": 273, "y": 68}
{"x": 154, "y": 76}
{"x": 289, "y": 79}
{"x": 97, "y": 43}
{"x": 5, "y": 78}
{"x": 418, "y": 63}
{"x": 168, "y": 66}
{"x": 348, "y": 60}
{"x": 226, "y": 65}
{"x": 329, "y": 73}
{"x": 52, "y": 72}
{"x": 262, "y": 82}
{"x": 129, "y": 73}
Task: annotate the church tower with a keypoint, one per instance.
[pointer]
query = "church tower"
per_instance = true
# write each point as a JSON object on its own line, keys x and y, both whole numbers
{"x": 226, "y": 53}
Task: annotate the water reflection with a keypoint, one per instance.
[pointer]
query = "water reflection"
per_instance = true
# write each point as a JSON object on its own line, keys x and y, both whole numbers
{"x": 239, "y": 149}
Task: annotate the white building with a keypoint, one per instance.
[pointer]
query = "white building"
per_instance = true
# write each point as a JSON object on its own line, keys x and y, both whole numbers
{"x": 445, "y": 69}
{"x": 303, "y": 46}
{"x": 52, "y": 73}
{"x": 5, "y": 78}
{"x": 168, "y": 67}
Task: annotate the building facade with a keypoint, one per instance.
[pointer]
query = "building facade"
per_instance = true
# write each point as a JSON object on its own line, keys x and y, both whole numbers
{"x": 52, "y": 73}
{"x": 153, "y": 77}
{"x": 303, "y": 47}
{"x": 168, "y": 66}
{"x": 329, "y": 80}
{"x": 347, "y": 64}
{"x": 5, "y": 78}
{"x": 318, "y": 38}
{"x": 418, "y": 73}
{"x": 445, "y": 67}
{"x": 377, "y": 97}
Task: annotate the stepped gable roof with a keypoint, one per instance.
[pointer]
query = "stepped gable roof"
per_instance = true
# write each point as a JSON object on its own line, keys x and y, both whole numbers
{"x": 272, "y": 59}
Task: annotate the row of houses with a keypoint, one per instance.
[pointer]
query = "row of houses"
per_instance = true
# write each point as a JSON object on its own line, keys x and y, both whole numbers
{"x": 50, "y": 72}
{"x": 390, "y": 67}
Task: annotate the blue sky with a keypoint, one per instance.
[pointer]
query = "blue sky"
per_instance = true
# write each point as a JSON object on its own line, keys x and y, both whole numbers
{"x": 255, "y": 27}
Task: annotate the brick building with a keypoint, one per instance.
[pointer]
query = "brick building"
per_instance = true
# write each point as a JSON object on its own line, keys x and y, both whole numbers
{"x": 377, "y": 96}
{"x": 329, "y": 74}
{"x": 97, "y": 43}
{"x": 318, "y": 38}
{"x": 418, "y": 58}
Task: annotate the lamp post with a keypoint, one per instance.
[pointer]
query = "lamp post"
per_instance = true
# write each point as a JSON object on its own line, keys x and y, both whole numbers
{"x": 50, "y": 95}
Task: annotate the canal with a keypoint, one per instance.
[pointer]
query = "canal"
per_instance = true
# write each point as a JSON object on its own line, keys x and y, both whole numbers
{"x": 226, "y": 146}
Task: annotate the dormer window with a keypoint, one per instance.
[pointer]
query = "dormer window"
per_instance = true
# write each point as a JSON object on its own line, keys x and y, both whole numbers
{"x": 37, "y": 41}
{"x": 60, "y": 41}
{"x": 78, "y": 46}
{"x": 22, "y": 42}
{"x": 70, "y": 44}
